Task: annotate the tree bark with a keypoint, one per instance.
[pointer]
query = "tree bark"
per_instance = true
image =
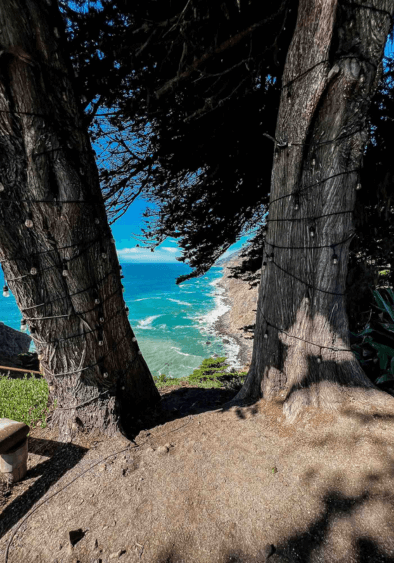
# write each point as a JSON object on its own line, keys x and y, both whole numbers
{"x": 301, "y": 347}
{"x": 48, "y": 176}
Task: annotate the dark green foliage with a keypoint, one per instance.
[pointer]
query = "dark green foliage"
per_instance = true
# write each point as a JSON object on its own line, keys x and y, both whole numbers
{"x": 211, "y": 368}
{"x": 233, "y": 382}
{"x": 217, "y": 371}
{"x": 374, "y": 345}
{"x": 213, "y": 372}
{"x": 197, "y": 149}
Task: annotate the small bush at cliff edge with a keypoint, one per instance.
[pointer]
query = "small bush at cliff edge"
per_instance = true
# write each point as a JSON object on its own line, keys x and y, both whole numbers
{"x": 212, "y": 373}
{"x": 210, "y": 369}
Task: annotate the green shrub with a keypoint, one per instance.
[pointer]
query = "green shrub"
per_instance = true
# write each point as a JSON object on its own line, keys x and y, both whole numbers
{"x": 210, "y": 369}
{"x": 165, "y": 381}
{"x": 375, "y": 347}
{"x": 24, "y": 400}
{"x": 214, "y": 372}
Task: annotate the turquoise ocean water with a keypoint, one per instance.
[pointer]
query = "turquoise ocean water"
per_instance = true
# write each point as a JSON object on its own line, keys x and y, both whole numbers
{"x": 173, "y": 323}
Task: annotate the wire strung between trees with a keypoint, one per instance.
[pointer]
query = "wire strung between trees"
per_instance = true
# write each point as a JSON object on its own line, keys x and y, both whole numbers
{"x": 67, "y": 247}
{"x": 112, "y": 273}
{"x": 299, "y": 76}
{"x": 87, "y": 246}
{"x": 304, "y": 189}
{"x": 105, "y": 374}
{"x": 291, "y": 82}
{"x": 311, "y": 247}
{"x": 99, "y": 363}
{"x": 309, "y": 285}
{"x": 309, "y": 218}
{"x": 302, "y": 339}
{"x": 361, "y": 6}
{"x": 296, "y": 194}
{"x": 98, "y": 305}
{"x": 113, "y": 388}
{"x": 284, "y": 144}
{"x": 58, "y": 340}
{"x": 51, "y": 201}
{"x": 76, "y": 313}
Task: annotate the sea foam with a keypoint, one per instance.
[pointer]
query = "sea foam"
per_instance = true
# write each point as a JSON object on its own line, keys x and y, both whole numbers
{"x": 178, "y": 351}
{"x": 145, "y": 299}
{"x": 180, "y": 302}
{"x": 147, "y": 323}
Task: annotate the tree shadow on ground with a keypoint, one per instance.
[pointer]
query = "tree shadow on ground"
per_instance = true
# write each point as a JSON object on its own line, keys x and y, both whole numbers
{"x": 310, "y": 545}
{"x": 61, "y": 458}
{"x": 185, "y": 401}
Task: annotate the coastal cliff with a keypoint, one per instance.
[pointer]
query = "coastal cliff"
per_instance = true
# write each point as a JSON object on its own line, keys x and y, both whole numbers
{"x": 242, "y": 302}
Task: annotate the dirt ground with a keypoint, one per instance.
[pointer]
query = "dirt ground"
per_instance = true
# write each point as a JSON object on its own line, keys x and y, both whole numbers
{"x": 203, "y": 483}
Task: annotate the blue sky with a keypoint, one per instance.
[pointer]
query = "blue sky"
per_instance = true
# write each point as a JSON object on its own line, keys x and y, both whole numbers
{"x": 130, "y": 223}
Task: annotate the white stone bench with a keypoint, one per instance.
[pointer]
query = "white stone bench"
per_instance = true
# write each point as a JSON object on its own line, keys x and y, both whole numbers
{"x": 13, "y": 449}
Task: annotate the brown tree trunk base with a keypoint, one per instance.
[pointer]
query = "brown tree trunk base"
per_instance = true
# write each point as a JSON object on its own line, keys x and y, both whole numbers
{"x": 325, "y": 399}
{"x": 91, "y": 420}
{"x": 345, "y": 388}
{"x": 331, "y": 397}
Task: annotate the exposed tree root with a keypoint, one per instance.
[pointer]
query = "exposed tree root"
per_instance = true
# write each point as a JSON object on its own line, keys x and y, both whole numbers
{"x": 332, "y": 397}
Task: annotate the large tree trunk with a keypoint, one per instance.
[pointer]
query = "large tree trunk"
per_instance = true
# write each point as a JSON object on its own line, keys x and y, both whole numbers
{"x": 48, "y": 176}
{"x": 301, "y": 348}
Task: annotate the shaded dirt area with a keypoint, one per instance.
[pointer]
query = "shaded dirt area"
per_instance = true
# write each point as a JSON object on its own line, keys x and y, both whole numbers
{"x": 202, "y": 483}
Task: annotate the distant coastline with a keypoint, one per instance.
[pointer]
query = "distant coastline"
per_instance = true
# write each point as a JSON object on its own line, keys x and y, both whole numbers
{"x": 242, "y": 303}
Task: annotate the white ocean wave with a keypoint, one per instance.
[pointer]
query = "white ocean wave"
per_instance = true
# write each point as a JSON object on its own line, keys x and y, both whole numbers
{"x": 180, "y": 302}
{"x": 145, "y": 299}
{"x": 231, "y": 351}
{"x": 206, "y": 324}
{"x": 220, "y": 309}
{"x": 178, "y": 351}
{"x": 147, "y": 323}
{"x": 184, "y": 326}
{"x": 215, "y": 282}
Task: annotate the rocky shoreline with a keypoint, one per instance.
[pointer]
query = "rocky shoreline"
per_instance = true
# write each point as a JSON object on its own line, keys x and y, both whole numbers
{"x": 242, "y": 301}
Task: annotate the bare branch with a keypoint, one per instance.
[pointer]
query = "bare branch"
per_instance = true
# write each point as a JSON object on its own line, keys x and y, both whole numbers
{"x": 223, "y": 47}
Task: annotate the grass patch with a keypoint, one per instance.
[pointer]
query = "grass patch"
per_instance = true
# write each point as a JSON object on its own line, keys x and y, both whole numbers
{"x": 24, "y": 400}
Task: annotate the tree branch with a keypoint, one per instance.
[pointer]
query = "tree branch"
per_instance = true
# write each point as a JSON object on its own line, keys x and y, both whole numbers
{"x": 223, "y": 47}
